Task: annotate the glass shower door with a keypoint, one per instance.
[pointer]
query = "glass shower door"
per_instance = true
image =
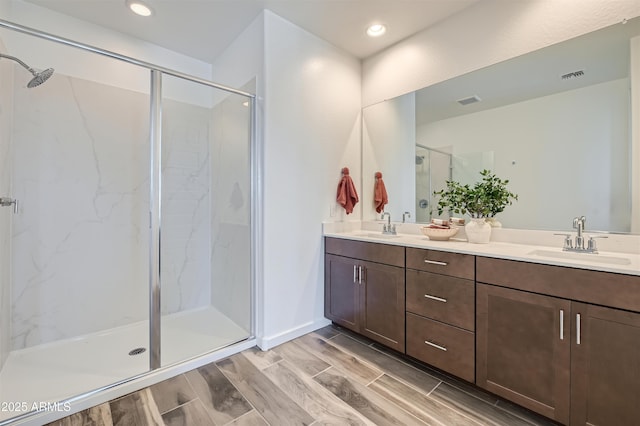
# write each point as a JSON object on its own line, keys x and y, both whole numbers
{"x": 433, "y": 170}
{"x": 76, "y": 304}
{"x": 205, "y": 219}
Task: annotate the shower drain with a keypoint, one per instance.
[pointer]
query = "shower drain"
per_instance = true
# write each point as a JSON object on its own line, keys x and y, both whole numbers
{"x": 137, "y": 351}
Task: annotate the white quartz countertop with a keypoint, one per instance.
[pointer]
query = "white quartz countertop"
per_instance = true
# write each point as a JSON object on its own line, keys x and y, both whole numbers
{"x": 623, "y": 263}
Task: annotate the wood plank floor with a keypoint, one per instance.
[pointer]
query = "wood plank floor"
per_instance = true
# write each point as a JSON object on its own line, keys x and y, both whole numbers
{"x": 329, "y": 377}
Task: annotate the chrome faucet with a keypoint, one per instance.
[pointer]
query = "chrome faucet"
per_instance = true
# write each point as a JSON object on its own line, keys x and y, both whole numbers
{"x": 388, "y": 228}
{"x": 578, "y": 224}
{"x": 404, "y": 216}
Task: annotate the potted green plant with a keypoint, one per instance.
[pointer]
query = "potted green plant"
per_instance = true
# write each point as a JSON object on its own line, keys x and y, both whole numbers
{"x": 483, "y": 200}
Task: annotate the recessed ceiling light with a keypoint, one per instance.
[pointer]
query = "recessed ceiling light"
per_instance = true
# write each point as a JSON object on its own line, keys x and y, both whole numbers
{"x": 376, "y": 30}
{"x": 139, "y": 8}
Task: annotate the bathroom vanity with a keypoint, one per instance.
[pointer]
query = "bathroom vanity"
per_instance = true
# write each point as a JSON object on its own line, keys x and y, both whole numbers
{"x": 559, "y": 337}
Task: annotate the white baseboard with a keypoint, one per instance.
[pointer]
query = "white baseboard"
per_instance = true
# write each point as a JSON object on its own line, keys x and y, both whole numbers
{"x": 267, "y": 342}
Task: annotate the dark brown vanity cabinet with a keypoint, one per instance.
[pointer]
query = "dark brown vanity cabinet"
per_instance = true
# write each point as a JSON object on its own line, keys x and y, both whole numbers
{"x": 441, "y": 310}
{"x": 605, "y": 366}
{"x": 365, "y": 289}
{"x": 524, "y": 349}
{"x": 572, "y": 361}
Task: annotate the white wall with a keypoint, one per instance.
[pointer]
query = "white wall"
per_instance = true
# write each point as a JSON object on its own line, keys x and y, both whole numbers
{"x": 243, "y": 60}
{"x": 312, "y": 130}
{"x": 488, "y": 32}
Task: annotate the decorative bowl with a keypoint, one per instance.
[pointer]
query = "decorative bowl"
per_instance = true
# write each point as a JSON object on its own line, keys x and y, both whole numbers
{"x": 438, "y": 234}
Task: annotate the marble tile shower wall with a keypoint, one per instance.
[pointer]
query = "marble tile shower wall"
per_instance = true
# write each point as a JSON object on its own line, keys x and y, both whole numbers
{"x": 186, "y": 206}
{"x": 80, "y": 242}
{"x": 6, "y": 99}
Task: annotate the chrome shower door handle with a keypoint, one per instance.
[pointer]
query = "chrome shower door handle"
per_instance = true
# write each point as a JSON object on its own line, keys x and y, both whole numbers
{"x": 7, "y": 202}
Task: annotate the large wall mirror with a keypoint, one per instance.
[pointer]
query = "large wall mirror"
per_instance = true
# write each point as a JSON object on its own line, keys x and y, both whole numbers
{"x": 556, "y": 122}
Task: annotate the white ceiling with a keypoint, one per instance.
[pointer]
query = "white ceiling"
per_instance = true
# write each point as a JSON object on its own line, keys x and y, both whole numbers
{"x": 204, "y": 28}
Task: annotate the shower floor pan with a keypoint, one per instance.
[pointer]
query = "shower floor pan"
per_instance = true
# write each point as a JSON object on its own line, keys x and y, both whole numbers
{"x": 57, "y": 371}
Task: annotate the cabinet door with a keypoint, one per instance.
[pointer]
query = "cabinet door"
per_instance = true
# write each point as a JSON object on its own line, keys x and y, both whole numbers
{"x": 523, "y": 349}
{"x": 382, "y": 299}
{"x": 605, "y": 369}
{"x": 341, "y": 295}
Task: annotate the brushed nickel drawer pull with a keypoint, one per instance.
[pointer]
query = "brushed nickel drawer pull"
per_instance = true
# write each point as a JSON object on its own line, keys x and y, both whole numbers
{"x": 442, "y": 348}
{"x": 577, "y": 329}
{"x": 439, "y": 299}
{"x": 355, "y": 276}
{"x": 359, "y": 274}
{"x": 435, "y": 262}
{"x": 561, "y": 324}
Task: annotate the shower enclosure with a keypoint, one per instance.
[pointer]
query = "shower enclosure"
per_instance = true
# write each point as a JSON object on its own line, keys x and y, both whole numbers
{"x": 126, "y": 206}
{"x": 433, "y": 169}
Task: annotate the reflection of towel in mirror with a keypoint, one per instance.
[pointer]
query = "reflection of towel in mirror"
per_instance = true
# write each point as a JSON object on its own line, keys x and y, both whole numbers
{"x": 380, "y": 193}
{"x": 347, "y": 195}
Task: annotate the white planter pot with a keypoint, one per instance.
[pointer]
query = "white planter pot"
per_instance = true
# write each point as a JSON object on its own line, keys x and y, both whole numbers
{"x": 478, "y": 231}
{"x": 493, "y": 222}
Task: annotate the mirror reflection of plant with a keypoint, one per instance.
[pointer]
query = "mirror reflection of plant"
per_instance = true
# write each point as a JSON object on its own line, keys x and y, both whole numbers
{"x": 485, "y": 199}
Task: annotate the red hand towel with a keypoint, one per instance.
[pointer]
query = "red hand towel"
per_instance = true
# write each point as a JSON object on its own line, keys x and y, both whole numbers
{"x": 380, "y": 193}
{"x": 347, "y": 195}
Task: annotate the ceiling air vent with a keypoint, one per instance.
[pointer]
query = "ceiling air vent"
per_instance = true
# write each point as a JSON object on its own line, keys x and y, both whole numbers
{"x": 470, "y": 100}
{"x": 571, "y": 75}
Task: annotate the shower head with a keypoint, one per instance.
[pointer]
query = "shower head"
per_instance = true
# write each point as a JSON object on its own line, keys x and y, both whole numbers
{"x": 38, "y": 77}
{"x": 419, "y": 159}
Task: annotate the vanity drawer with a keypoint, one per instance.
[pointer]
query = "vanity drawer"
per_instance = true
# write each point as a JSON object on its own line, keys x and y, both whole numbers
{"x": 448, "y": 348}
{"x": 440, "y": 297}
{"x": 442, "y": 262}
{"x": 373, "y": 252}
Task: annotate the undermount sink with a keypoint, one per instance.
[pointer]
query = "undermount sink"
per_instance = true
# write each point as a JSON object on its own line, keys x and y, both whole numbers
{"x": 587, "y": 257}
{"x": 378, "y": 235}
